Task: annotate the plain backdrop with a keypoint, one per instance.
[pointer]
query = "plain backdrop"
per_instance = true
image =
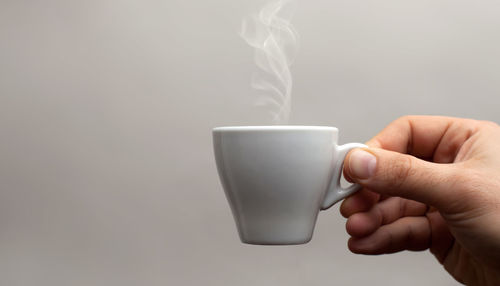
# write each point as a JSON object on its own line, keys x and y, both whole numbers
{"x": 107, "y": 174}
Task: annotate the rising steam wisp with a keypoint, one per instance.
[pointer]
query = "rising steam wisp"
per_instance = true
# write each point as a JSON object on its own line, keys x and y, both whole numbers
{"x": 276, "y": 45}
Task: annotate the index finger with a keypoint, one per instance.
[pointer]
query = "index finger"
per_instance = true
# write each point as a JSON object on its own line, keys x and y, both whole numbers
{"x": 423, "y": 136}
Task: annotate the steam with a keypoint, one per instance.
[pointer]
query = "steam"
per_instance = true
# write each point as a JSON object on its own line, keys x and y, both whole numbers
{"x": 276, "y": 44}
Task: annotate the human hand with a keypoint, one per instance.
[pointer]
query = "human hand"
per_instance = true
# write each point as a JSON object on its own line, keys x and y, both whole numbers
{"x": 430, "y": 183}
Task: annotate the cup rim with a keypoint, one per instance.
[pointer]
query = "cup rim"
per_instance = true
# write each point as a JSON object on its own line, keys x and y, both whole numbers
{"x": 275, "y": 128}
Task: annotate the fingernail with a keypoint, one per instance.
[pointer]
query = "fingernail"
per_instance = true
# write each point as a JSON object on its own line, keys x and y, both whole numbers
{"x": 362, "y": 164}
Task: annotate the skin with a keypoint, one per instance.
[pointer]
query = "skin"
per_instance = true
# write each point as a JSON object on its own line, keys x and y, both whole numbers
{"x": 436, "y": 186}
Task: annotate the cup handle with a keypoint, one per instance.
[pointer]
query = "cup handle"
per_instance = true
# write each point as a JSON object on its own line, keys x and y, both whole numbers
{"x": 335, "y": 192}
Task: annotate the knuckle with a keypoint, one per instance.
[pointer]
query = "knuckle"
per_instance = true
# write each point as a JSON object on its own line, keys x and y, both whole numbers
{"x": 396, "y": 176}
{"x": 468, "y": 125}
{"x": 404, "y": 119}
{"x": 400, "y": 170}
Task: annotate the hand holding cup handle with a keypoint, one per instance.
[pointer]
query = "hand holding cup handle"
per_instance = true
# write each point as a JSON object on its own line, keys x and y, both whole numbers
{"x": 335, "y": 192}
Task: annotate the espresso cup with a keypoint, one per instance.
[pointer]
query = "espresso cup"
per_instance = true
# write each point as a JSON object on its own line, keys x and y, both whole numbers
{"x": 277, "y": 178}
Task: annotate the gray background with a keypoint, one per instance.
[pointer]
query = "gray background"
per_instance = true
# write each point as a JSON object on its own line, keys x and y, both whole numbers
{"x": 107, "y": 174}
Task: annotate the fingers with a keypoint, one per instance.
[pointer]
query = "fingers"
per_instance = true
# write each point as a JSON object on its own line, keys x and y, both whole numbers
{"x": 385, "y": 212}
{"x": 361, "y": 201}
{"x": 394, "y": 174}
{"x": 408, "y": 233}
{"x": 425, "y": 136}
{"x": 442, "y": 239}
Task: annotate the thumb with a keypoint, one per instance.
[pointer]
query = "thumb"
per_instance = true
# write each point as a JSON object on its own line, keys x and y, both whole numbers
{"x": 395, "y": 174}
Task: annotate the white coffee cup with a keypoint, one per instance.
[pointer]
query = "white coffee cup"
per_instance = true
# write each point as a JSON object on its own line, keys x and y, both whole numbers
{"x": 277, "y": 178}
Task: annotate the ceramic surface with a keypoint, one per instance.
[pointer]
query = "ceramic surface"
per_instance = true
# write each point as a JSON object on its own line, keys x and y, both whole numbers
{"x": 277, "y": 178}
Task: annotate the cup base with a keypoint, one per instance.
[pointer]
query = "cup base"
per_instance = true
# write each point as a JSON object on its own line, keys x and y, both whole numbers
{"x": 275, "y": 242}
